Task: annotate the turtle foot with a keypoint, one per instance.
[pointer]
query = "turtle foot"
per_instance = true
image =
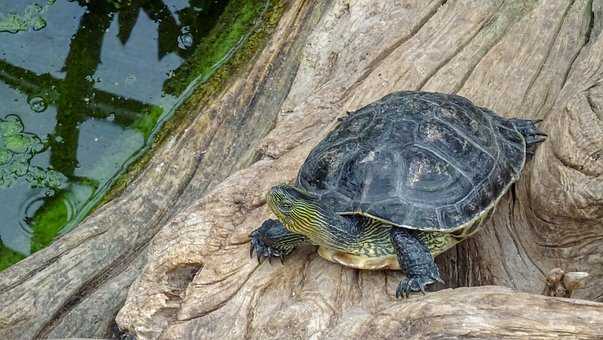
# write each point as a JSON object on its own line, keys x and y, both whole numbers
{"x": 531, "y": 133}
{"x": 263, "y": 250}
{"x": 271, "y": 240}
{"x": 417, "y": 283}
{"x": 416, "y": 260}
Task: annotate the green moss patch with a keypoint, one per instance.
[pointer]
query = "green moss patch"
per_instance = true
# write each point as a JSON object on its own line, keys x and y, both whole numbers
{"x": 211, "y": 80}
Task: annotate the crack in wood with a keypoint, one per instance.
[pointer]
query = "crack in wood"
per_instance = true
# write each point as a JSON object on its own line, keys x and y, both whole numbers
{"x": 459, "y": 49}
{"x": 591, "y": 18}
{"x": 591, "y": 24}
{"x": 548, "y": 50}
{"x": 389, "y": 50}
{"x": 492, "y": 45}
{"x": 110, "y": 271}
{"x": 47, "y": 263}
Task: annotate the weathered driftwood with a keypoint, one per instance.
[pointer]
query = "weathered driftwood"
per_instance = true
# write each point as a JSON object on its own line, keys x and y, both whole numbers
{"x": 178, "y": 237}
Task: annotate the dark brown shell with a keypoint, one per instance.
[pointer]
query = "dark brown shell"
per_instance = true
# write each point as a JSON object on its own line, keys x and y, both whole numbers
{"x": 419, "y": 160}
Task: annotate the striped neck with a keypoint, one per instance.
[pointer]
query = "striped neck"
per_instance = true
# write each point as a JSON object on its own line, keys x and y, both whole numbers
{"x": 307, "y": 218}
{"x": 303, "y": 213}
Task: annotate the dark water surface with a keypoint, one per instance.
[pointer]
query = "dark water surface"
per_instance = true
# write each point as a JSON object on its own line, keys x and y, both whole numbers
{"x": 82, "y": 89}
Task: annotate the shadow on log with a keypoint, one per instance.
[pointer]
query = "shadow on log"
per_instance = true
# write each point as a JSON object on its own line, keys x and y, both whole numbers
{"x": 177, "y": 241}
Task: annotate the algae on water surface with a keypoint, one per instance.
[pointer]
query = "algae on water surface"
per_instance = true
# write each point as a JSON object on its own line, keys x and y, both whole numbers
{"x": 31, "y": 17}
{"x": 87, "y": 103}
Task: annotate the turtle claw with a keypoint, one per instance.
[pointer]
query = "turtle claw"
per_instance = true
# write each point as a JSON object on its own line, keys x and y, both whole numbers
{"x": 414, "y": 284}
{"x": 438, "y": 279}
{"x": 263, "y": 250}
{"x": 417, "y": 283}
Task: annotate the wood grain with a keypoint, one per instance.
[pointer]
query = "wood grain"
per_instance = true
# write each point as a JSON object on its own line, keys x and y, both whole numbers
{"x": 177, "y": 239}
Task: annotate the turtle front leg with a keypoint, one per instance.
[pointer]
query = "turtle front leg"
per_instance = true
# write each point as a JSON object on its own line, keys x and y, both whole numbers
{"x": 416, "y": 260}
{"x": 271, "y": 239}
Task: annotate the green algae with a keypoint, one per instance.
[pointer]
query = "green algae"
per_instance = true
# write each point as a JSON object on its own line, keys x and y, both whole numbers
{"x": 17, "y": 148}
{"x": 48, "y": 222}
{"x": 243, "y": 27}
{"x": 8, "y": 256}
{"x": 70, "y": 107}
{"x": 238, "y": 17}
{"x": 148, "y": 122}
{"x": 208, "y": 85}
{"x": 31, "y": 18}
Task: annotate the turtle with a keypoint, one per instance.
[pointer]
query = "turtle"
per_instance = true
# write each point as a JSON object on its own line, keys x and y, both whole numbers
{"x": 398, "y": 182}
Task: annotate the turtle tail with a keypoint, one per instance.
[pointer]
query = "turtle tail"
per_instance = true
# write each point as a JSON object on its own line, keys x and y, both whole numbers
{"x": 531, "y": 134}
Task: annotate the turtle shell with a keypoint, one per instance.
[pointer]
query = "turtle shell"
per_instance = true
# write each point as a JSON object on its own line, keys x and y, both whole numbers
{"x": 418, "y": 160}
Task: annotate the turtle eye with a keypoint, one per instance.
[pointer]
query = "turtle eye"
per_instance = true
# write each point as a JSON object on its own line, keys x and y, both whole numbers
{"x": 286, "y": 206}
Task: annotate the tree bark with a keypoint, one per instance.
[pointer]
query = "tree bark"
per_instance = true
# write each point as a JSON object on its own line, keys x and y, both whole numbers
{"x": 177, "y": 239}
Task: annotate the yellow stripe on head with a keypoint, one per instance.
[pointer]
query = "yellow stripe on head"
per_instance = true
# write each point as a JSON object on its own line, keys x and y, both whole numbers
{"x": 298, "y": 210}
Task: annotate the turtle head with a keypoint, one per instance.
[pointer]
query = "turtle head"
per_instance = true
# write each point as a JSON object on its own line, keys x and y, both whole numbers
{"x": 296, "y": 208}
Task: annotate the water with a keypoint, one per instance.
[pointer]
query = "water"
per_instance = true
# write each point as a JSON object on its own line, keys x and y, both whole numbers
{"x": 82, "y": 89}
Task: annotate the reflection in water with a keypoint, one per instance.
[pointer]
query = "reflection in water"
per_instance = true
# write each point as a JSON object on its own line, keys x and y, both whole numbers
{"x": 80, "y": 98}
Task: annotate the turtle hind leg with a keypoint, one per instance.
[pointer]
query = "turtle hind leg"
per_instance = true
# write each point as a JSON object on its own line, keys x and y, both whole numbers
{"x": 271, "y": 239}
{"x": 416, "y": 260}
{"x": 532, "y": 135}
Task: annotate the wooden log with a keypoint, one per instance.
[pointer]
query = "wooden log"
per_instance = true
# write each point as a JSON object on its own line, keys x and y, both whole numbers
{"x": 178, "y": 237}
